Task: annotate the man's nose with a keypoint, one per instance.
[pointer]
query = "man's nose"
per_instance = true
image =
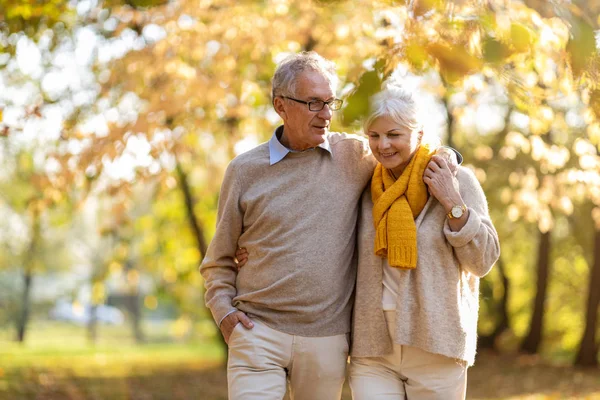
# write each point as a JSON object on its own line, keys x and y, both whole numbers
{"x": 325, "y": 113}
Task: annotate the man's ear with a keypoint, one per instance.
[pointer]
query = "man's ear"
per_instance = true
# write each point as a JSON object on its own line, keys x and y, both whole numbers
{"x": 279, "y": 106}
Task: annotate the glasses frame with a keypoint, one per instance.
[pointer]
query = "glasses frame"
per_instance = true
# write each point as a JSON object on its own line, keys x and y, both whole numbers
{"x": 325, "y": 103}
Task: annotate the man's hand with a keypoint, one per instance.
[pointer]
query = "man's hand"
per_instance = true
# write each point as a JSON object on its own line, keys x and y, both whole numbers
{"x": 241, "y": 257}
{"x": 231, "y": 321}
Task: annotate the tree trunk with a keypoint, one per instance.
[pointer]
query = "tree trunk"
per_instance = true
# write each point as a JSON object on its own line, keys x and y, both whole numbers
{"x": 587, "y": 356}
{"x": 25, "y": 306}
{"x": 23, "y": 318}
{"x": 189, "y": 206}
{"x": 133, "y": 304}
{"x": 93, "y": 325}
{"x": 136, "y": 316}
{"x": 489, "y": 341}
{"x": 534, "y": 337}
{"x": 198, "y": 231}
{"x": 450, "y": 141}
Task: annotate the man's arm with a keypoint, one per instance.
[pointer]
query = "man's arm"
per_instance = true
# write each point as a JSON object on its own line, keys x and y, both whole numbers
{"x": 218, "y": 267}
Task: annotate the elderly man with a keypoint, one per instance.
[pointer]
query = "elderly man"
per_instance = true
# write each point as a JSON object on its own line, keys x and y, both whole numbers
{"x": 293, "y": 203}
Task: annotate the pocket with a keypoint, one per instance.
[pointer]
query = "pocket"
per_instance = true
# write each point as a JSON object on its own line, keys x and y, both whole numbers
{"x": 236, "y": 328}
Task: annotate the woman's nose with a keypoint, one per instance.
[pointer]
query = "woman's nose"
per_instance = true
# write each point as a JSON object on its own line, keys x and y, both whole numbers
{"x": 384, "y": 142}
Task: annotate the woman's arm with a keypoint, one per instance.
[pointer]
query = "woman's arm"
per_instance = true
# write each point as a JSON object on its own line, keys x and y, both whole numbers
{"x": 476, "y": 244}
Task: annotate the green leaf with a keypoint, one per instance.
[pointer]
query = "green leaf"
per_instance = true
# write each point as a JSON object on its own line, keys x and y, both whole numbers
{"x": 581, "y": 46}
{"x": 358, "y": 102}
{"x": 494, "y": 51}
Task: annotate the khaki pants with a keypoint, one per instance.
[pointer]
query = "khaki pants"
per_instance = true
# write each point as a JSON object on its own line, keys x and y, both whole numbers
{"x": 262, "y": 361}
{"x": 407, "y": 373}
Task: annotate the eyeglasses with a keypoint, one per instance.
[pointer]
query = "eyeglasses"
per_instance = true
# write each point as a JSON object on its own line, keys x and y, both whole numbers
{"x": 317, "y": 105}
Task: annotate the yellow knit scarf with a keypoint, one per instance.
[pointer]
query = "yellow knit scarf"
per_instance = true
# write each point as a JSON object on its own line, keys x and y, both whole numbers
{"x": 396, "y": 204}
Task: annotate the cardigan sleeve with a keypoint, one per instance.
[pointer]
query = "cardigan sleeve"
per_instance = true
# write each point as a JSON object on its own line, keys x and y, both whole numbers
{"x": 476, "y": 245}
{"x": 218, "y": 268}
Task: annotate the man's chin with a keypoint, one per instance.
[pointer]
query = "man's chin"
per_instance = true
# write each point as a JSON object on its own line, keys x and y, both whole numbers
{"x": 321, "y": 131}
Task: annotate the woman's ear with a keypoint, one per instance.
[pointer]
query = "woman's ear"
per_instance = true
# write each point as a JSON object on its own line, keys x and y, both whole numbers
{"x": 420, "y": 136}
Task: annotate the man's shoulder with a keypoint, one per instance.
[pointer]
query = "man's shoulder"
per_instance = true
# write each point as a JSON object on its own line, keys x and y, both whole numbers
{"x": 349, "y": 142}
{"x": 256, "y": 155}
{"x": 352, "y": 139}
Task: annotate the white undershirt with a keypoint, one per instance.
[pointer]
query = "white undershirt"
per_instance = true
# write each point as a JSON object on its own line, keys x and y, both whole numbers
{"x": 391, "y": 277}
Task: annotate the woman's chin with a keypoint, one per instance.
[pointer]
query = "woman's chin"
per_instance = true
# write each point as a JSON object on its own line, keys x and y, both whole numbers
{"x": 389, "y": 164}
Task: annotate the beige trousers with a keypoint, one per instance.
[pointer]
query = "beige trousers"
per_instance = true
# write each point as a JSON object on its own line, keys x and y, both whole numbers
{"x": 262, "y": 361}
{"x": 407, "y": 373}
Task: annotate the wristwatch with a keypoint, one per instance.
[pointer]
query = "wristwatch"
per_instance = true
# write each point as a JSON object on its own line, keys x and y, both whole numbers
{"x": 456, "y": 211}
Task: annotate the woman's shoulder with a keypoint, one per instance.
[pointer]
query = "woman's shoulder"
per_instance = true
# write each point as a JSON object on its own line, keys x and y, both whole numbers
{"x": 467, "y": 176}
{"x": 468, "y": 183}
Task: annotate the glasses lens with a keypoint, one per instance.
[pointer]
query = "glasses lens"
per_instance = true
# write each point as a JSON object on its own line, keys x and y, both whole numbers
{"x": 336, "y": 104}
{"x": 316, "y": 105}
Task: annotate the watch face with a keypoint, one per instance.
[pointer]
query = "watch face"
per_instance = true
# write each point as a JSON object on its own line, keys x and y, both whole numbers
{"x": 457, "y": 211}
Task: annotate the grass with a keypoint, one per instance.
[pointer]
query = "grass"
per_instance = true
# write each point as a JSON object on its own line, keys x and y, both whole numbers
{"x": 58, "y": 363}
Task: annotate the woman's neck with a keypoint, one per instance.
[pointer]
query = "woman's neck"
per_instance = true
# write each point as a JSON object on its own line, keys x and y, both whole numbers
{"x": 396, "y": 172}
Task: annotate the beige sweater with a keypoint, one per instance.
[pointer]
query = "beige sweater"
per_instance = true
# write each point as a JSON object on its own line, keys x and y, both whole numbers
{"x": 438, "y": 302}
{"x": 297, "y": 218}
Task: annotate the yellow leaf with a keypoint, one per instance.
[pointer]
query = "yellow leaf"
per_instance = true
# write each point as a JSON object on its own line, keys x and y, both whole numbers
{"x": 151, "y": 302}
{"x": 421, "y": 7}
{"x": 454, "y": 61}
{"x": 521, "y": 37}
{"x": 595, "y": 102}
{"x": 416, "y": 55}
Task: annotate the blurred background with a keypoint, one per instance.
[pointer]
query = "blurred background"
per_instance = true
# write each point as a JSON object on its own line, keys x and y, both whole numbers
{"x": 118, "y": 118}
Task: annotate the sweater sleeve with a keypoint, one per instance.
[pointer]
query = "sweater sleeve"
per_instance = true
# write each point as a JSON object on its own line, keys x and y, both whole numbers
{"x": 218, "y": 267}
{"x": 476, "y": 245}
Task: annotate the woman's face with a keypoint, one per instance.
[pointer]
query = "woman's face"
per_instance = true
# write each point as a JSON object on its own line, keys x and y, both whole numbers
{"x": 392, "y": 145}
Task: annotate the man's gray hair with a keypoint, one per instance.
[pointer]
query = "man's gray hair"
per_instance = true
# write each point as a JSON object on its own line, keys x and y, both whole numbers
{"x": 396, "y": 103}
{"x": 284, "y": 79}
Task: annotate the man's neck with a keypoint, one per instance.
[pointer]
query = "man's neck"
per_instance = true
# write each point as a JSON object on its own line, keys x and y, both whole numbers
{"x": 292, "y": 146}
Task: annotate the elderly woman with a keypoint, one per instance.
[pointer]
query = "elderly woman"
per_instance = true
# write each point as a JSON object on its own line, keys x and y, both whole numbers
{"x": 415, "y": 313}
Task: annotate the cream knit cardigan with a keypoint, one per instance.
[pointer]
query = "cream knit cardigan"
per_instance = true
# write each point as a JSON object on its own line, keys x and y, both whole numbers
{"x": 437, "y": 302}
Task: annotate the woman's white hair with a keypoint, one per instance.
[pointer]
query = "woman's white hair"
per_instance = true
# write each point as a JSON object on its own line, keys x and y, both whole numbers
{"x": 284, "y": 79}
{"x": 396, "y": 103}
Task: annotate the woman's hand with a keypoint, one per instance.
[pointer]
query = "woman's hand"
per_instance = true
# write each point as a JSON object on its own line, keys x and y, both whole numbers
{"x": 450, "y": 156}
{"x": 443, "y": 185}
{"x": 241, "y": 257}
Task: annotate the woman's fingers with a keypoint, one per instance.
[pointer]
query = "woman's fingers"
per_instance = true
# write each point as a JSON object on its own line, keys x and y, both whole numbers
{"x": 433, "y": 166}
{"x": 440, "y": 161}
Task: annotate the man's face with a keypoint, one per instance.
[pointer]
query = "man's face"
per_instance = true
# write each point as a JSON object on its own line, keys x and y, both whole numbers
{"x": 303, "y": 128}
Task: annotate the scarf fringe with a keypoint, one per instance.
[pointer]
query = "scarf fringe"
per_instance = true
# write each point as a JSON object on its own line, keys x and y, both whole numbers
{"x": 402, "y": 256}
